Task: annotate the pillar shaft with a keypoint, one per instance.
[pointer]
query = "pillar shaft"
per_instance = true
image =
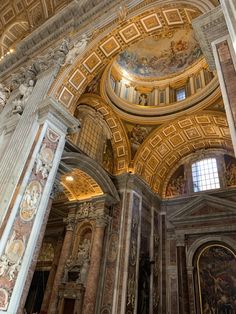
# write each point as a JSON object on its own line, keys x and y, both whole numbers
{"x": 49, "y": 287}
{"x": 182, "y": 281}
{"x": 65, "y": 251}
{"x": 93, "y": 275}
{"x": 26, "y": 216}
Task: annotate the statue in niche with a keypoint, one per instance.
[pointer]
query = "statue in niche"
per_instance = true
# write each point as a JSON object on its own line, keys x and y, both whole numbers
{"x": 230, "y": 174}
{"x": 83, "y": 252}
{"x": 176, "y": 186}
{"x": 25, "y": 90}
{"x": 143, "y": 100}
{"x": 138, "y": 134}
{"x": 77, "y": 49}
{"x": 83, "y": 259}
{"x": 107, "y": 160}
{"x": 4, "y": 94}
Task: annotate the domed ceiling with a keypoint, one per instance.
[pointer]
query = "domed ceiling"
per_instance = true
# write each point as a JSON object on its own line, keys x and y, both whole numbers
{"x": 160, "y": 57}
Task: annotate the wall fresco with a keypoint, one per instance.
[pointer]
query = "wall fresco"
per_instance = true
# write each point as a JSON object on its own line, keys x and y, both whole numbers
{"x": 160, "y": 57}
{"x": 217, "y": 280}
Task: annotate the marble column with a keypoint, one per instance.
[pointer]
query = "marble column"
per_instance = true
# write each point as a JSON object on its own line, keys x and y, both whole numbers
{"x": 28, "y": 208}
{"x": 65, "y": 251}
{"x": 94, "y": 269}
{"x": 226, "y": 70}
{"x": 229, "y": 10}
{"x": 182, "y": 277}
{"x": 202, "y": 75}
{"x": 192, "y": 87}
{"x": 216, "y": 34}
{"x": 49, "y": 287}
{"x": 167, "y": 90}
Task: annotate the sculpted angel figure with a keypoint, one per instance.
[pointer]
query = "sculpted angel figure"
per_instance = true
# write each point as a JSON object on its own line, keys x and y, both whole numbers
{"x": 78, "y": 48}
{"x": 4, "y": 92}
{"x": 3, "y": 265}
{"x": 13, "y": 269}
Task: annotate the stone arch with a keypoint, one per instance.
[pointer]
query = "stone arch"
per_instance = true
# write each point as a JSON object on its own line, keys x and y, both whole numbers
{"x": 85, "y": 170}
{"x": 120, "y": 143}
{"x": 141, "y": 22}
{"x": 12, "y": 34}
{"x": 168, "y": 144}
{"x": 203, "y": 241}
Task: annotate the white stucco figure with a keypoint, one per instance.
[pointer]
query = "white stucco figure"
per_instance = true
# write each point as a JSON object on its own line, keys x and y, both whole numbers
{"x": 78, "y": 48}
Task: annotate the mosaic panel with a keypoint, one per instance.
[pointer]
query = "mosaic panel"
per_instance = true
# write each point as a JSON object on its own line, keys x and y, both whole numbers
{"x": 185, "y": 123}
{"x": 129, "y": 33}
{"x": 92, "y": 62}
{"x": 151, "y": 22}
{"x": 77, "y": 79}
{"x": 153, "y": 162}
{"x": 145, "y": 153}
{"x": 176, "y": 140}
{"x": 192, "y": 133}
{"x": 66, "y": 97}
{"x": 163, "y": 150}
{"x": 173, "y": 17}
{"x": 155, "y": 141}
{"x": 110, "y": 46}
{"x": 169, "y": 130}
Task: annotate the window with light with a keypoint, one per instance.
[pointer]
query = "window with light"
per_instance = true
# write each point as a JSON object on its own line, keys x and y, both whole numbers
{"x": 180, "y": 94}
{"x": 205, "y": 175}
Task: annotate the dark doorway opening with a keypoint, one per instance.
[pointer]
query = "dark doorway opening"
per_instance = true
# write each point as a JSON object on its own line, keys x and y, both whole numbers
{"x": 36, "y": 292}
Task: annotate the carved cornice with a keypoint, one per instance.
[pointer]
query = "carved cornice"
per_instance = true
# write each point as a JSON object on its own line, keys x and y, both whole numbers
{"x": 63, "y": 22}
{"x": 52, "y": 110}
{"x": 209, "y": 27}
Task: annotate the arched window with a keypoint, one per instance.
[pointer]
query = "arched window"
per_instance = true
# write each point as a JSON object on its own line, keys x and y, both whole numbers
{"x": 94, "y": 132}
{"x": 205, "y": 175}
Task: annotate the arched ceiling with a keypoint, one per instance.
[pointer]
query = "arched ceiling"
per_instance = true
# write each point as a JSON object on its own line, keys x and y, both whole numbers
{"x": 80, "y": 186}
{"x": 120, "y": 143}
{"x": 158, "y": 58}
{"x": 159, "y": 22}
{"x": 20, "y": 17}
{"x": 168, "y": 144}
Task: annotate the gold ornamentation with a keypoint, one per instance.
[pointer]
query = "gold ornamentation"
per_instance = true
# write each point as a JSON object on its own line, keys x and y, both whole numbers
{"x": 30, "y": 201}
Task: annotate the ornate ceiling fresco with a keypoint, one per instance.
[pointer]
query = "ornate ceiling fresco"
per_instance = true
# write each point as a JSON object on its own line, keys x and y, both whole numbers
{"x": 81, "y": 186}
{"x": 156, "y": 58}
{"x": 20, "y": 17}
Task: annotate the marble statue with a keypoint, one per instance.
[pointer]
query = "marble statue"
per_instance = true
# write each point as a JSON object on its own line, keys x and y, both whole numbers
{"x": 4, "y": 265}
{"x": 143, "y": 100}
{"x": 25, "y": 90}
{"x": 4, "y": 93}
{"x": 83, "y": 252}
{"x": 84, "y": 272}
{"x": 78, "y": 48}
{"x": 13, "y": 270}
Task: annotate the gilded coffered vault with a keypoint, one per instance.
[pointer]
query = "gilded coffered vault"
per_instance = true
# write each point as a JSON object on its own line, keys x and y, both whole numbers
{"x": 117, "y": 156}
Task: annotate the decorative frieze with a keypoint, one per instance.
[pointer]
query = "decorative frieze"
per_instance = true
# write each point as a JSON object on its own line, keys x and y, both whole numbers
{"x": 14, "y": 251}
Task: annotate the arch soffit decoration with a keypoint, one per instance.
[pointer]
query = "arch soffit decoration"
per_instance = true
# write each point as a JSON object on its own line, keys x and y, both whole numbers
{"x": 120, "y": 143}
{"x": 168, "y": 144}
{"x": 203, "y": 241}
{"x": 152, "y": 20}
{"x": 90, "y": 179}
